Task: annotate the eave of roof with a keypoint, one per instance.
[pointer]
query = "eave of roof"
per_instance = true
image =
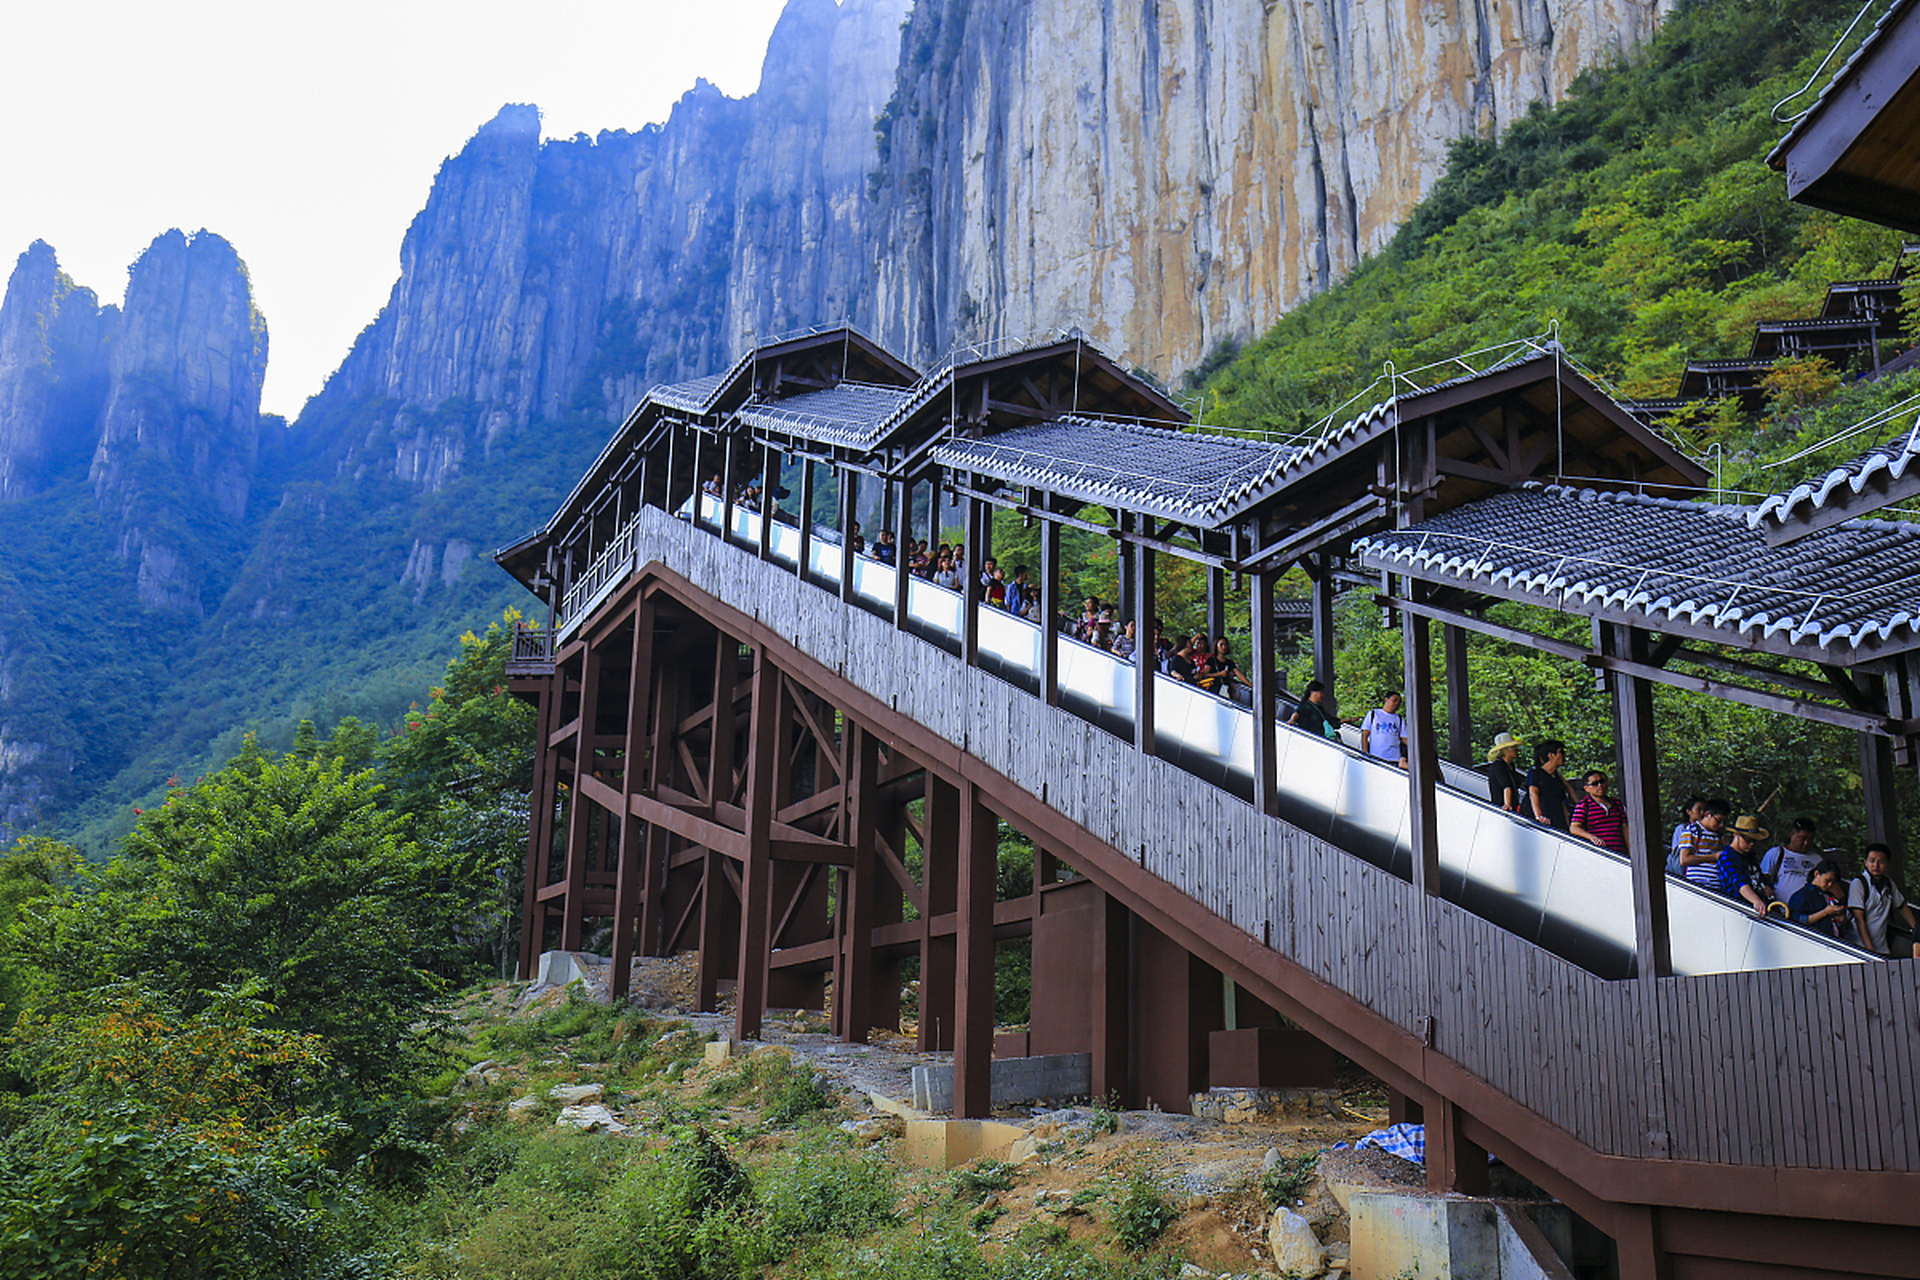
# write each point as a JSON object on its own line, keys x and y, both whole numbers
{"x": 1673, "y": 566}
{"x": 1854, "y": 488}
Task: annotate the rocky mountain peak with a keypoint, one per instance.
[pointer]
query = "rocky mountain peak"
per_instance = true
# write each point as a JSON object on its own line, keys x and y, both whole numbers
{"x": 54, "y": 338}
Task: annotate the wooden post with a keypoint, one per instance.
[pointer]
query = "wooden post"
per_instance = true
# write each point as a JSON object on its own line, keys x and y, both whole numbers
{"x": 713, "y": 882}
{"x": 765, "y": 746}
{"x": 543, "y": 799}
{"x": 973, "y": 971}
{"x": 1323, "y": 631}
{"x": 1144, "y": 737}
{"x": 903, "y": 546}
{"x": 849, "y": 500}
{"x": 769, "y": 500}
{"x": 1423, "y": 758}
{"x": 1266, "y": 705}
{"x": 1639, "y": 781}
{"x": 853, "y": 983}
{"x": 1049, "y": 613}
{"x": 972, "y": 594}
{"x": 1124, "y": 565}
{"x": 805, "y": 567}
{"x": 940, "y": 857}
{"x": 727, "y": 487}
{"x": 1454, "y": 1163}
{"x": 630, "y": 869}
{"x": 1112, "y": 999}
{"x": 1216, "y": 601}
{"x": 1459, "y": 706}
{"x": 580, "y": 813}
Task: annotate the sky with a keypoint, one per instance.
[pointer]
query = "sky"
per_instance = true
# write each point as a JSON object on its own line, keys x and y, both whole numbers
{"x": 307, "y": 134}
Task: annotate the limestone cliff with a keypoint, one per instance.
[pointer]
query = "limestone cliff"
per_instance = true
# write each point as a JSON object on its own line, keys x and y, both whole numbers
{"x": 1171, "y": 173}
{"x": 53, "y": 372}
{"x": 549, "y": 279}
{"x": 179, "y": 434}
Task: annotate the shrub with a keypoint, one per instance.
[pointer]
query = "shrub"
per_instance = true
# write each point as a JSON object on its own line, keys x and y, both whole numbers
{"x": 1142, "y": 1213}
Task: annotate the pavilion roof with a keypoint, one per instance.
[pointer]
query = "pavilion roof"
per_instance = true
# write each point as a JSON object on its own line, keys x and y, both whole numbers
{"x": 1673, "y": 566}
{"x": 1188, "y": 476}
{"x": 1854, "y": 488}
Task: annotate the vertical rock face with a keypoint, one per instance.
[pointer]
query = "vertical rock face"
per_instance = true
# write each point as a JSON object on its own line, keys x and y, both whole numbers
{"x": 1174, "y": 172}
{"x": 53, "y": 372}
{"x": 803, "y": 245}
{"x": 544, "y": 279}
{"x": 180, "y": 431}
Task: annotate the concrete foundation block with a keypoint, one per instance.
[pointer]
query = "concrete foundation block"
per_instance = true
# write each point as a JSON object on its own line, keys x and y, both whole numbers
{"x": 558, "y": 968}
{"x": 1452, "y": 1236}
{"x": 948, "y": 1144}
{"x": 1048, "y": 1078}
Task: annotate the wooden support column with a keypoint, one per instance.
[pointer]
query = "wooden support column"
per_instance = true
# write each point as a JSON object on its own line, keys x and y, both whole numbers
{"x": 1144, "y": 737}
{"x": 940, "y": 880}
{"x": 580, "y": 814}
{"x": 1459, "y": 705}
{"x": 667, "y": 698}
{"x": 713, "y": 882}
{"x": 1423, "y": 758}
{"x": 1112, "y": 999}
{"x": 1454, "y": 1163}
{"x": 854, "y": 977}
{"x": 1639, "y": 782}
{"x": 1323, "y": 631}
{"x": 972, "y": 595}
{"x": 1216, "y": 601}
{"x": 973, "y": 971}
{"x": 1877, "y": 799}
{"x": 1124, "y": 567}
{"x": 630, "y": 870}
{"x": 1266, "y": 705}
{"x": 543, "y": 799}
{"x": 1050, "y": 613}
{"x": 805, "y": 567}
{"x": 765, "y": 746}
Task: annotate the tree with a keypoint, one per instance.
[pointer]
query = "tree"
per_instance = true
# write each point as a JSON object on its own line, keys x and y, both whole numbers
{"x": 34, "y": 878}
{"x": 290, "y": 872}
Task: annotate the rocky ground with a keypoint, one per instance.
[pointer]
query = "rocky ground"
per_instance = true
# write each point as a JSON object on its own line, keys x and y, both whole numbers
{"x": 1079, "y": 1157}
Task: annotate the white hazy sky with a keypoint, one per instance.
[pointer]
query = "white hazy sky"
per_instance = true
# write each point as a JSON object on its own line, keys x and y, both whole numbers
{"x": 308, "y": 134}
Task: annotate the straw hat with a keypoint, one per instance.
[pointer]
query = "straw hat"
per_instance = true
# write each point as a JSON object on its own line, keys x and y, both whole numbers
{"x": 1749, "y": 826}
{"x": 1500, "y": 744}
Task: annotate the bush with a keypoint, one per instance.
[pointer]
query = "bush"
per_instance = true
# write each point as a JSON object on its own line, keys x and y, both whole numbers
{"x": 1283, "y": 1183}
{"x": 1141, "y": 1214}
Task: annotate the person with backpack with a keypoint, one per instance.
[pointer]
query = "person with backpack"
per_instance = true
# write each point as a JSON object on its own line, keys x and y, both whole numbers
{"x": 1883, "y": 920}
{"x": 1383, "y": 734}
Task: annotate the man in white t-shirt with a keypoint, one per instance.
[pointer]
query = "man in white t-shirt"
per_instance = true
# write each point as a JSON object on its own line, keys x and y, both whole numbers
{"x": 1787, "y": 866}
{"x": 1383, "y": 734}
{"x": 1882, "y": 920}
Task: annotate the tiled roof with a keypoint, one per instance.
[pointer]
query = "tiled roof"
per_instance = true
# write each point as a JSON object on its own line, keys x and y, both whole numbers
{"x": 696, "y": 395}
{"x": 1671, "y": 561}
{"x": 846, "y": 414}
{"x": 1887, "y": 462}
{"x": 1185, "y": 475}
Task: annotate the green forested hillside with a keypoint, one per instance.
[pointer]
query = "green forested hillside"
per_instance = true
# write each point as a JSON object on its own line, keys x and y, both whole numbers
{"x": 1639, "y": 218}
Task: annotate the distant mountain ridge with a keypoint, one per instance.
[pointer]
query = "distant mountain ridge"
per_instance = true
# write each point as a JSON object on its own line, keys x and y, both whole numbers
{"x": 1170, "y": 176}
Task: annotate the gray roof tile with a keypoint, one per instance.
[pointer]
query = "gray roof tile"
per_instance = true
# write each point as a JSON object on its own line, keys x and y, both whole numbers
{"x": 845, "y": 414}
{"x": 1889, "y": 461}
{"x": 1184, "y": 475}
{"x": 1580, "y": 550}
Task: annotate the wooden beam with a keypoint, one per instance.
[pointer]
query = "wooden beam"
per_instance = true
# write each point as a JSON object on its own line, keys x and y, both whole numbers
{"x": 973, "y": 968}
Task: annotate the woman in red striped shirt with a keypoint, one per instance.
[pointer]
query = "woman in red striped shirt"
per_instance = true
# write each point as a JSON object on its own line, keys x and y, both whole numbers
{"x": 1599, "y": 818}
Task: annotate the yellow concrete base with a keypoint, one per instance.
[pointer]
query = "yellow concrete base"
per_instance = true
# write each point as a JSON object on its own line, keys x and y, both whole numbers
{"x": 948, "y": 1144}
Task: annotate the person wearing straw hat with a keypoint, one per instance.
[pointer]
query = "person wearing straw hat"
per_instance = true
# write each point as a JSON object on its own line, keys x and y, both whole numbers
{"x": 1504, "y": 780}
{"x": 1738, "y": 869}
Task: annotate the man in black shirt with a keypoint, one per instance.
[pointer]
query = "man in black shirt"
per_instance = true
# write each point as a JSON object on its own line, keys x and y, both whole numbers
{"x": 1549, "y": 798}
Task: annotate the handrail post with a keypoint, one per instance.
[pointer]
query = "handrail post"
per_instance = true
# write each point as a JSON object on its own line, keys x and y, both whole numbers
{"x": 1140, "y": 555}
{"x": 849, "y": 500}
{"x": 806, "y": 519}
{"x": 1049, "y": 612}
{"x": 902, "y": 547}
{"x": 1266, "y": 706}
{"x": 972, "y": 597}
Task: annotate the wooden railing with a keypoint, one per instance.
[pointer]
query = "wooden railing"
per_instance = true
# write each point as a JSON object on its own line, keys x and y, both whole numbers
{"x": 1810, "y": 1068}
{"x": 532, "y": 651}
{"x": 608, "y": 569}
